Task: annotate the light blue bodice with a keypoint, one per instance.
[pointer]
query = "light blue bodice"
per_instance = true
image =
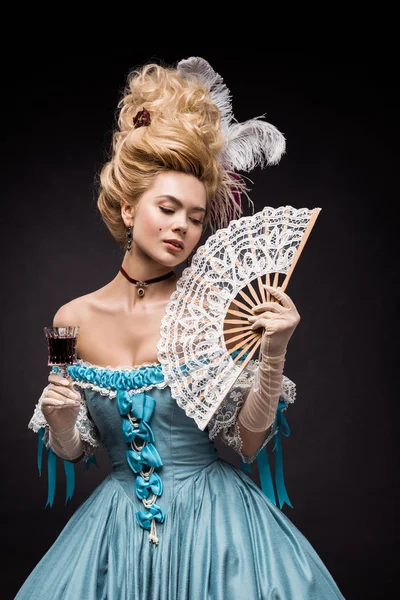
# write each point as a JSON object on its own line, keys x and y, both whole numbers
{"x": 153, "y": 446}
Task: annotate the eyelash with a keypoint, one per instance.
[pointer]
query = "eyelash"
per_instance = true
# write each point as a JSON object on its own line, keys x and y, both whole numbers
{"x": 168, "y": 211}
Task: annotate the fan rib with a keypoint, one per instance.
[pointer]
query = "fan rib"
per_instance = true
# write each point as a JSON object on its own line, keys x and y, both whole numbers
{"x": 247, "y": 298}
{"x": 235, "y": 312}
{"x": 244, "y": 340}
{"x": 264, "y": 295}
{"x": 300, "y": 248}
{"x": 243, "y": 306}
{"x": 240, "y": 336}
{"x": 236, "y": 321}
{"x": 251, "y": 354}
{"x": 275, "y": 282}
{"x": 234, "y": 329}
{"x": 256, "y": 298}
{"x": 256, "y": 342}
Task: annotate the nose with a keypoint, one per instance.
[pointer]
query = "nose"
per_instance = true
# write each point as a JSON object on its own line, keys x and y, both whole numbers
{"x": 180, "y": 226}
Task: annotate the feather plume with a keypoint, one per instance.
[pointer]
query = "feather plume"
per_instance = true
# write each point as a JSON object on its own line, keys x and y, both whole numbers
{"x": 252, "y": 143}
{"x": 198, "y": 69}
{"x": 247, "y": 145}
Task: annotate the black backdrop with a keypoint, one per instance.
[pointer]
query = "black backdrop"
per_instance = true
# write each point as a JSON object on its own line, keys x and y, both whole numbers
{"x": 338, "y": 116}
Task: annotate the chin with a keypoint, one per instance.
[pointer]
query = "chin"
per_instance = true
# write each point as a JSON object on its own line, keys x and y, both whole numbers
{"x": 170, "y": 262}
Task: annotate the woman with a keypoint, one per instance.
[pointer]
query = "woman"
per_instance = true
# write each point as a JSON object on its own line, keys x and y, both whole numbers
{"x": 172, "y": 521}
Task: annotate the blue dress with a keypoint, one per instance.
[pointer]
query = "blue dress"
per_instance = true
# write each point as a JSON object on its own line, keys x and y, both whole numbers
{"x": 172, "y": 521}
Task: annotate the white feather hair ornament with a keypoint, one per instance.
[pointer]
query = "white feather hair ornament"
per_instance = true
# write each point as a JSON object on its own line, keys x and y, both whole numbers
{"x": 247, "y": 145}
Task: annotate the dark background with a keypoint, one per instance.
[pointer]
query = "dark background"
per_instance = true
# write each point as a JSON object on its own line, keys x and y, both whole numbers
{"x": 339, "y": 117}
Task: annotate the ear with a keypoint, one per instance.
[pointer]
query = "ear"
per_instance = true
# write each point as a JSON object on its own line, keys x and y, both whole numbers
{"x": 127, "y": 213}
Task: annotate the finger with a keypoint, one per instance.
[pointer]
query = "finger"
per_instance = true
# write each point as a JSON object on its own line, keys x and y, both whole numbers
{"x": 272, "y": 320}
{"x": 54, "y": 402}
{"x": 61, "y": 393}
{"x": 266, "y": 313}
{"x": 261, "y": 322}
{"x": 273, "y": 306}
{"x": 52, "y": 395}
{"x": 59, "y": 379}
{"x": 47, "y": 409}
{"x": 287, "y": 302}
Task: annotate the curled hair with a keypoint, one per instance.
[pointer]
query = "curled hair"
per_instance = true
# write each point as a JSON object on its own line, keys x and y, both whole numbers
{"x": 184, "y": 136}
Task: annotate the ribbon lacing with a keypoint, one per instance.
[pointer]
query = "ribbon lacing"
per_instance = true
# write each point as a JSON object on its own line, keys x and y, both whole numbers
{"x": 136, "y": 411}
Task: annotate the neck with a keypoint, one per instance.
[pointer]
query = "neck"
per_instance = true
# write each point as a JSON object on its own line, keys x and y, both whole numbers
{"x": 137, "y": 269}
{"x": 143, "y": 271}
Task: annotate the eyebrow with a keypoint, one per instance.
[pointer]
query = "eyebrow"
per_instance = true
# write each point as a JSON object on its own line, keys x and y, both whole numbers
{"x": 173, "y": 199}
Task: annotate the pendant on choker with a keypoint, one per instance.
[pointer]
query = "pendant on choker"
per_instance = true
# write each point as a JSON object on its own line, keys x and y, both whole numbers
{"x": 141, "y": 285}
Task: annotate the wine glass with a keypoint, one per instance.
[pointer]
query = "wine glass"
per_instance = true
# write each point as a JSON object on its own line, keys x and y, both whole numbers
{"x": 61, "y": 347}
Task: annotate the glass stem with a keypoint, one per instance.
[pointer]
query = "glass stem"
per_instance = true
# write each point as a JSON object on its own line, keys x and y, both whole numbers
{"x": 63, "y": 371}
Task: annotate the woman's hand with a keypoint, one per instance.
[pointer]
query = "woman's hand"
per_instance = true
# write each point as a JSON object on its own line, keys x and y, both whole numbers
{"x": 60, "y": 403}
{"x": 279, "y": 320}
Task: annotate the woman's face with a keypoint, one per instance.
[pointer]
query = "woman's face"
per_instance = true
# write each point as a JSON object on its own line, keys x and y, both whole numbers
{"x": 172, "y": 209}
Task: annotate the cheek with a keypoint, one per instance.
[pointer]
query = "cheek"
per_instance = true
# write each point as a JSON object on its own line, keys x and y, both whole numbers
{"x": 149, "y": 223}
{"x": 194, "y": 232}
{"x": 198, "y": 235}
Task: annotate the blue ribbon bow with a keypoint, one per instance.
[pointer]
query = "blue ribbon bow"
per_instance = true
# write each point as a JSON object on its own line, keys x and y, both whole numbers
{"x": 124, "y": 402}
{"x": 264, "y": 470}
{"x": 143, "y": 431}
{"x": 283, "y": 429}
{"x": 147, "y": 456}
{"x": 143, "y": 406}
{"x": 69, "y": 469}
{"x": 140, "y": 405}
{"x": 143, "y": 487}
{"x": 144, "y": 518}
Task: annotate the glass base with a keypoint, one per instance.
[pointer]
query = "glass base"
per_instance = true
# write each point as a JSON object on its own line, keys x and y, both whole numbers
{"x": 62, "y": 369}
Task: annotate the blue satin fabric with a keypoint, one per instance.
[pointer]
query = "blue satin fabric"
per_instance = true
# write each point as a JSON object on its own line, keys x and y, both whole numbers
{"x": 220, "y": 537}
{"x": 122, "y": 381}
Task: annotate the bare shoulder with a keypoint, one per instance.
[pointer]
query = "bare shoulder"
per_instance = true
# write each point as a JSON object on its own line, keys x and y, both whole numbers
{"x": 71, "y": 313}
{"x": 78, "y": 310}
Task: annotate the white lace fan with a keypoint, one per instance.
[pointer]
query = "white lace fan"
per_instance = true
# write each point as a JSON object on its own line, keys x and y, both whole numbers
{"x": 206, "y": 317}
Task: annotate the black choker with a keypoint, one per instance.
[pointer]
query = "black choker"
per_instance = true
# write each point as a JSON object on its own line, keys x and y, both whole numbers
{"x": 143, "y": 284}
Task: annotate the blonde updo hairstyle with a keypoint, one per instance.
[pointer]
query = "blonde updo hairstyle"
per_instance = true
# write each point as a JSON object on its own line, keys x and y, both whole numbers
{"x": 184, "y": 135}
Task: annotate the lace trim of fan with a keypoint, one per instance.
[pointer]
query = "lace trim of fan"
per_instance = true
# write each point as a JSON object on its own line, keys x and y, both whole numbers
{"x": 192, "y": 349}
{"x": 87, "y": 429}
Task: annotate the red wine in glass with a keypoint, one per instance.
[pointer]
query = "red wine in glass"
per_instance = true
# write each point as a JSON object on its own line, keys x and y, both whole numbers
{"x": 61, "y": 347}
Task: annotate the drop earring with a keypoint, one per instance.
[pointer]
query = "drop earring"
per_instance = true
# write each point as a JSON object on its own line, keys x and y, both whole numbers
{"x": 129, "y": 238}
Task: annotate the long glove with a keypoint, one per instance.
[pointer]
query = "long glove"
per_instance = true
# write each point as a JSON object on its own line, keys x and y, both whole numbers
{"x": 60, "y": 405}
{"x": 279, "y": 320}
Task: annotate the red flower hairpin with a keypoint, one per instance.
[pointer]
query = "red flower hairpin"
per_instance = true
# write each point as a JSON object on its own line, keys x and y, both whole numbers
{"x": 141, "y": 119}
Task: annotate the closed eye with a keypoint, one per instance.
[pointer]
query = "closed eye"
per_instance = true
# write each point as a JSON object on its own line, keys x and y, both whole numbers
{"x": 169, "y": 211}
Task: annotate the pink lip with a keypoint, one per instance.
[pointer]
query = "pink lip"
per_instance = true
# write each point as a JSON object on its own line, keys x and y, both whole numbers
{"x": 172, "y": 247}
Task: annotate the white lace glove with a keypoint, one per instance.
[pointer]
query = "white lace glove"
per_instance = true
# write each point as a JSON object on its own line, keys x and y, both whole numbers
{"x": 60, "y": 405}
{"x": 279, "y": 320}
